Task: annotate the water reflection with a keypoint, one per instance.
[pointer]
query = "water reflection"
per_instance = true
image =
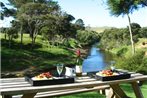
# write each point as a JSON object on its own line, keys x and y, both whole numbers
{"x": 97, "y": 60}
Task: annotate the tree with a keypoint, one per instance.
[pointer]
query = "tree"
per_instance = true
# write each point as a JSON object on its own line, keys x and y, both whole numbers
{"x": 143, "y": 32}
{"x": 80, "y": 24}
{"x": 123, "y": 7}
{"x": 3, "y": 30}
{"x": 135, "y": 31}
{"x": 12, "y": 33}
{"x": 35, "y": 14}
{"x": 141, "y": 2}
{"x": 6, "y": 12}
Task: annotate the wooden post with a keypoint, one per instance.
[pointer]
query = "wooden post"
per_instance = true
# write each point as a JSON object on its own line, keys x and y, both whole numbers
{"x": 118, "y": 91}
{"x": 137, "y": 90}
{"x": 110, "y": 93}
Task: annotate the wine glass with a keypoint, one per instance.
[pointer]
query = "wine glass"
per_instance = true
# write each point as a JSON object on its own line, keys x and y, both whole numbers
{"x": 59, "y": 68}
{"x": 112, "y": 65}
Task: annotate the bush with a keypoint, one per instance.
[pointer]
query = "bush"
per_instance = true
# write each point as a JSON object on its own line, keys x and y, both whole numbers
{"x": 137, "y": 63}
{"x": 114, "y": 38}
{"x": 122, "y": 51}
{"x": 87, "y": 37}
{"x": 72, "y": 43}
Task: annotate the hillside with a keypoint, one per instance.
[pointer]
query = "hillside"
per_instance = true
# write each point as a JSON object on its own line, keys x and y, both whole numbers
{"x": 99, "y": 29}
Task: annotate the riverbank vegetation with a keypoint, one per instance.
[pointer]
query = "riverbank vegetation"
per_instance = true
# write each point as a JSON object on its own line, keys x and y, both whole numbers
{"x": 117, "y": 41}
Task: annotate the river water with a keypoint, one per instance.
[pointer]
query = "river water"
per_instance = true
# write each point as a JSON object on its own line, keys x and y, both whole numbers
{"x": 97, "y": 60}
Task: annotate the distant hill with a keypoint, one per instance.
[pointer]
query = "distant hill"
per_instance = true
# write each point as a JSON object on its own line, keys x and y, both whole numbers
{"x": 98, "y": 29}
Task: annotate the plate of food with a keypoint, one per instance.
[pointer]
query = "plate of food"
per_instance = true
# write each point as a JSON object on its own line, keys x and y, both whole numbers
{"x": 108, "y": 75}
{"x": 46, "y": 78}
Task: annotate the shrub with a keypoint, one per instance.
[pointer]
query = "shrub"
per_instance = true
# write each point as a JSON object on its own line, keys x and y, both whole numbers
{"x": 72, "y": 43}
{"x": 86, "y": 37}
{"x": 137, "y": 63}
{"x": 122, "y": 51}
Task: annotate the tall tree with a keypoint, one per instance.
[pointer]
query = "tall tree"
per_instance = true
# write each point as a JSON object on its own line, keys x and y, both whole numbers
{"x": 35, "y": 14}
{"x": 123, "y": 7}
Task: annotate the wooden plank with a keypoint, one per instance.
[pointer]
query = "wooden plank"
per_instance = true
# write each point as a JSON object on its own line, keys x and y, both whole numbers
{"x": 86, "y": 80}
{"x": 71, "y": 91}
{"x": 136, "y": 75}
{"x": 118, "y": 91}
{"x": 67, "y": 86}
{"x": 16, "y": 85}
{"x": 65, "y": 92}
{"x": 5, "y": 80}
{"x": 137, "y": 90}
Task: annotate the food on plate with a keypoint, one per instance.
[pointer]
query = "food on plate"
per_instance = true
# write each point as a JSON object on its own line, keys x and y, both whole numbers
{"x": 43, "y": 76}
{"x": 106, "y": 73}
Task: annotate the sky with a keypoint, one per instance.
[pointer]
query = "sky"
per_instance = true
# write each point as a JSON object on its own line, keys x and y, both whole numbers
{"x": 95, "y": 13}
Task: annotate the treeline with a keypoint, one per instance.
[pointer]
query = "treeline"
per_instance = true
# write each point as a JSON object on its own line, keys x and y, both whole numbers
{"x": 45, "y": 18}
{"x": 115, "y": 37}
{"x": 118, "y": 41}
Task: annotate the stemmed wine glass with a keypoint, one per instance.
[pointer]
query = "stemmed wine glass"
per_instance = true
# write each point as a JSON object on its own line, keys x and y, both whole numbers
{"x": 59, "y": 68}
{"x": 112, "y": 65}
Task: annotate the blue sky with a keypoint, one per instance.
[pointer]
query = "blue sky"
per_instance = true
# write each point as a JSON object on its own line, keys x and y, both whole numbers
{"x": 96, "y": 14}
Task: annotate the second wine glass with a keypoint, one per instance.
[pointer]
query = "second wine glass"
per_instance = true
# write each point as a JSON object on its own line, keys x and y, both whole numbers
{"x": 60, "y": 69}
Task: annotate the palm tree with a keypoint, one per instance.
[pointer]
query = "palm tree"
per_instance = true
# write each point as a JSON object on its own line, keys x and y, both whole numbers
{"x": 123, "y": 7}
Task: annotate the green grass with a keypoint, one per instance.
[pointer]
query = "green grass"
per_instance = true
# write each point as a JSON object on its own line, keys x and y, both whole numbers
{"x": 42, "y": 56}
{"x": 129, "y": 91}
{"x": 138, "y": 47}
{"x": 85, "y": 95}
{"x": 16, "y": 60}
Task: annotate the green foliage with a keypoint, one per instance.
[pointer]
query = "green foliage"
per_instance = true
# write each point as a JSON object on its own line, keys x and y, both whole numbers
{"x": 122, "y": 51}
{"x": 33, "y": 16}
{"x": 115, "y": 37}
{"x": 86, "y": 37}
{"x": 79, "y": 24}
{"x": 135, "y": 63}
{"x": 143, "y": 32}
{"x": 6, "y": 11}
{"x": 122, "y": 7}
{"x": 72, "y": 43}
{"x": 12, "y": 33}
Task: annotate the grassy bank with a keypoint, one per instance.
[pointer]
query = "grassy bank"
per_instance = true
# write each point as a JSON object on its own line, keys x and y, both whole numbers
{"x": 42, "y": 56}
{"x": 136, "y": 62}
{"x": 126, "y": 50}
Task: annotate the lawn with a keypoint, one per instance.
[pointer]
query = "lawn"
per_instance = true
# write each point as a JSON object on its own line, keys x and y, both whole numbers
{"x": 41, "y": 56}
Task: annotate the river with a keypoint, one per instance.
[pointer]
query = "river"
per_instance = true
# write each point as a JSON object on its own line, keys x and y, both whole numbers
{"x": 97, "y": 60}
